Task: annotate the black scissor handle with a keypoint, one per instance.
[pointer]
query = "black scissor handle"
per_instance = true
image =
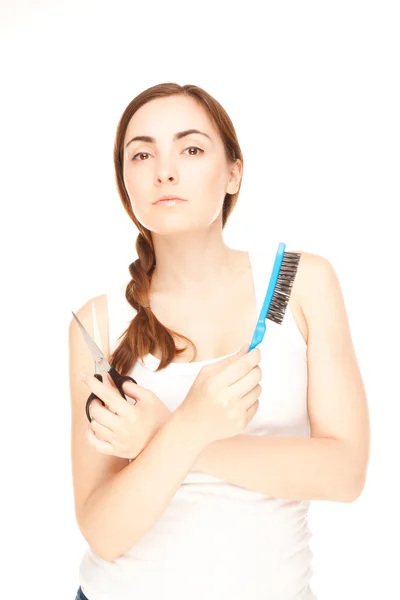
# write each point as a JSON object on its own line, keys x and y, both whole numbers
{"x": 92, "y": 397}
{"x": 118, "y": 379}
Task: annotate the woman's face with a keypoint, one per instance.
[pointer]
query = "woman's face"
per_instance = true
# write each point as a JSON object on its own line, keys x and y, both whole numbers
{"x": 193, "y": 167}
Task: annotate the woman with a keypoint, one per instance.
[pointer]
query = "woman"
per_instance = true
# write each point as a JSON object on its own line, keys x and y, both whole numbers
{"x": 201, "y": 488}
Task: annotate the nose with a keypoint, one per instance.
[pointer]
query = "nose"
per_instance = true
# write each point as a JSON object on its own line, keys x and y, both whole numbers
{"x": 161, "y": 178}
{"x": 165, "y": 171}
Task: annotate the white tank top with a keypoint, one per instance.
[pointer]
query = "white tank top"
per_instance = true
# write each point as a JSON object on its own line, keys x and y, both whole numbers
{"x": 215, "y": 540}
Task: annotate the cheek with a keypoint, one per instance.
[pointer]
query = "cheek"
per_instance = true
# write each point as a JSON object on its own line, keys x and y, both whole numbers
{"x": 210, "y": 178}
{"x": 139, "y": 187}
{"x": 133, "y": 180}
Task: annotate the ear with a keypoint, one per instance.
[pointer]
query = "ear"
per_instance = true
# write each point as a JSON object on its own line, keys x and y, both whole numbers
{"x": 235, "y": 175}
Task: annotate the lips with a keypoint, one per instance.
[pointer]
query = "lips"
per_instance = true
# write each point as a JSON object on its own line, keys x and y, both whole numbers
{"x": 165, "y": 198}
{"x": 170, "y": 201}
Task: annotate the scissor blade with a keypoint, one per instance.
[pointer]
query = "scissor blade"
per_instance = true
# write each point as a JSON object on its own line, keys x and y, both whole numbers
{"x": 97, "y": 354}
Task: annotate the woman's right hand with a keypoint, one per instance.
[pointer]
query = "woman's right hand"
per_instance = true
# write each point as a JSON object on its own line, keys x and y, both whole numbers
{"x": 224, "y": 396}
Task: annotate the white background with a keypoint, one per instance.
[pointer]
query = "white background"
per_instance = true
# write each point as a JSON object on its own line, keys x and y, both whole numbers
{"x": 313, "y": 91}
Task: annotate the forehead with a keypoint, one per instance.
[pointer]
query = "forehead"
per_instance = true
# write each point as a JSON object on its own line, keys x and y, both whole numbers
{"x": 162, "y": 117}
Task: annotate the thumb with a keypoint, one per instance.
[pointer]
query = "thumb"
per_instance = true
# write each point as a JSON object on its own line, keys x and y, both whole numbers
{"x": 133, "y": 390}
{"x": 243, "y": 350}
{"x": 230, "y": 359}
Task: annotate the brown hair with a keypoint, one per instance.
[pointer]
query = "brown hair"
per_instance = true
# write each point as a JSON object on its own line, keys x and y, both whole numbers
{"x": 145, "y": 332}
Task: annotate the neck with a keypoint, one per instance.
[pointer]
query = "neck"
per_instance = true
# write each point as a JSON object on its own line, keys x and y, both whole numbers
{"x": 192, "y": 261}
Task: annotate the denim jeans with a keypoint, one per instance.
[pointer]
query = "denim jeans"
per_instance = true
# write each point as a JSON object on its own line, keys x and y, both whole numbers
{"x": 80, "y": 595}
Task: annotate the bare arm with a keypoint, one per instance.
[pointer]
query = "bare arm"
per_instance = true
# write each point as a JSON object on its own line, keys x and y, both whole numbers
{"x": 117, "y": 502}
{"x": 121, "y": 511}
{"x": 332, "y": 465}
{"x": 286, "y": 467}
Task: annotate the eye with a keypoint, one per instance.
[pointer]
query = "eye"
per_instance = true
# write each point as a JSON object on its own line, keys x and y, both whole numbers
{"x": 194, "y": 148}
{"x": 139, "y": 154}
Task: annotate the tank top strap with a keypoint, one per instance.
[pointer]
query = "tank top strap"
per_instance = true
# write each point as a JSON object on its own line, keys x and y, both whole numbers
{"x": 96, "y": 329}
{"x": 120, "y": 313}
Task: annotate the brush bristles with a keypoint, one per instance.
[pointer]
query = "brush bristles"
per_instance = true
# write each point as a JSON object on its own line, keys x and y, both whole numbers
{"x": 280, "y": 298}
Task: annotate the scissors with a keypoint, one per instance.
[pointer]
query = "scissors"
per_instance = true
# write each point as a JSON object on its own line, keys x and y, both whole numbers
{"x": 101, "y": 365}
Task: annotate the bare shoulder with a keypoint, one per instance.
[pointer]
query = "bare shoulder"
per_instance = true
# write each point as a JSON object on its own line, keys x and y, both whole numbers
{"x": 315, "y": 273}
{"x": 315, "y": 278}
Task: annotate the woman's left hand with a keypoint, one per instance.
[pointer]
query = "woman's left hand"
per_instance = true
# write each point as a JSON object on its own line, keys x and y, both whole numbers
{"x": 121, "y": 428}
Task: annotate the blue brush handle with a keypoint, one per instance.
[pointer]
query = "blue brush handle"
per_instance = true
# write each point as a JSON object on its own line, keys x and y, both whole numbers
{"x": 259, "y": 332}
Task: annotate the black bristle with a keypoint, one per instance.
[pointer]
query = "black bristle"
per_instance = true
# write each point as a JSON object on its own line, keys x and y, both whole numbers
{"x": 283, "y": 288}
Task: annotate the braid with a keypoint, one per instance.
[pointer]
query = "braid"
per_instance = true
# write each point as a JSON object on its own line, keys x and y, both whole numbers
{"x": 145, "y": 333}
{"x": 141, "y": 272}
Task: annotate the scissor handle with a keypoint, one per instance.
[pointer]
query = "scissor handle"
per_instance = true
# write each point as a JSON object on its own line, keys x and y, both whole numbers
{"x": 119, "y": 380}
{"x": 92, "y": 397}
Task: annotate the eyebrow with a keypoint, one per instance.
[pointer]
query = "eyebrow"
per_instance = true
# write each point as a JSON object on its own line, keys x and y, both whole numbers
{"x": 177, "y": 136}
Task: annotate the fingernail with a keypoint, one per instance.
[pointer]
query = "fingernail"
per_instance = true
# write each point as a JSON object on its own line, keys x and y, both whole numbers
{"x": 82, "y": 376}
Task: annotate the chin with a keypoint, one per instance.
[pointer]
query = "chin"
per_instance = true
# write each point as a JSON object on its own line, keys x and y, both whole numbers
{"x": 173, "y": 224}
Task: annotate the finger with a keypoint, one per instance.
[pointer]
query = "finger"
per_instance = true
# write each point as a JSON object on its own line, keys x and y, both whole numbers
{"x": 109, "y": 395}
{"x": 133, "y": 391}
{"x": 130, "y": 389}
{"x": 246, "y": 383}
{"x": 252, "y": 399}
{"x": 110, "y": 380}
{"x": 220, "y": 365}
{"x": 102, "y": 433}
{"x": 252, "y": 410}
{"x": 99, "y": 445}
{"x": 238, "y": 367}
{"x": 104, "y": 415}
{"x": 243, "y": 350}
